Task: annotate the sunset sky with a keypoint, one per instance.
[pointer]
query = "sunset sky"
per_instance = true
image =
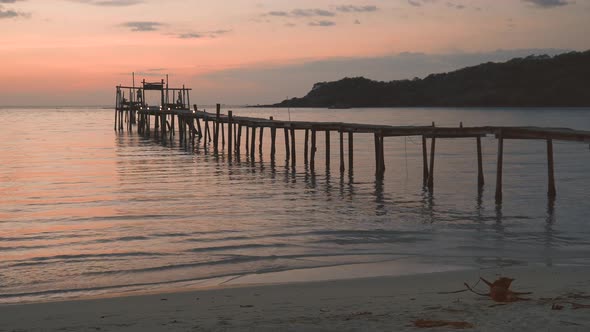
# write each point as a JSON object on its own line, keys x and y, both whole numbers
{"x": 73, "y": 52}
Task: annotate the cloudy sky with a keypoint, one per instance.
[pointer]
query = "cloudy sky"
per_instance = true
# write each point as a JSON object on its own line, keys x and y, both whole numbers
{"x": 73, "y": 52}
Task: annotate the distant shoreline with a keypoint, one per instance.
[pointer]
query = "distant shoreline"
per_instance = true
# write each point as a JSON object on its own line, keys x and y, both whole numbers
{"x": 533, "y": 81}
{"x": 454, "y": 107}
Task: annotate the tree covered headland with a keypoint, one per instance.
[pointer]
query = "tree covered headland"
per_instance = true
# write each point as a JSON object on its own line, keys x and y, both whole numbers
{"x": 534, "y": 81}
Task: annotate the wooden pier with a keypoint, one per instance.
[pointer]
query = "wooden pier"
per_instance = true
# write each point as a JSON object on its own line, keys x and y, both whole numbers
{"x": 194, "y": 128}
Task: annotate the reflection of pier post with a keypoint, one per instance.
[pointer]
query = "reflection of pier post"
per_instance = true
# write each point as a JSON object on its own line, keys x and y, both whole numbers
{"x": 341, "y": 132}
{"x": 327, "y": 150}
{"x": 230, "y": 142}
{"x": 293, "y": 148}
{"x": 216, "y": 133}
{"x": 350, "y": 152}
{"x": 313, "y": 149}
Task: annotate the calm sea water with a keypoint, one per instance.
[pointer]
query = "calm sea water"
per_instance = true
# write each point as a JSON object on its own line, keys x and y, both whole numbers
{"x": 87, "y": 211}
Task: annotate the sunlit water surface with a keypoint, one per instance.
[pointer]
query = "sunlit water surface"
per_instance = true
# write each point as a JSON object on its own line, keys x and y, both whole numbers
{"x": 87, "y": 211}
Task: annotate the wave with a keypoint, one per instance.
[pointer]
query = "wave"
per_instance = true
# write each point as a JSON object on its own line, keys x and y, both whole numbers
{"x": 238, "y": 247}
{"x": 79, "y": 258}
{"x": 61, "y": 293}
{"x": 234, "y": 259}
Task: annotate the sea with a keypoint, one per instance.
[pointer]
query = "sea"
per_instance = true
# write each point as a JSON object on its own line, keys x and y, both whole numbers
{"x": 86, "y": 211}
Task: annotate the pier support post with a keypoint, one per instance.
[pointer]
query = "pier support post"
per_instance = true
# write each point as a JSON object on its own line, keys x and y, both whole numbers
{"x": 273, "y": 138}
{"x": 287, "y": 150}
{"x": 117, "y": 98}
{"x": 306, "y": 147}
{"x": 185, "y": 131}
{"x": 341, "y": 150}
{"x": 198, "y": 122}
{"x": 551, "y": 192}
{"x": 216, "y": 137}
{"x": 180, "y": 133}
{"x": 222, "y": 135}
{"x": 260, "y": 140}
{"x": 253, "y": 144}
{"x": 313, "y": 150}
{"x": 140, "y": 123}
{"x": 431, "y": 171}
{"x": 190, "y": 126}
{"x": 163, "y": 125}
{"x": 130, "y": 121}
{"x": 230, "y": 150}
{"x": 172, "y": 125}
{"x": 247, "y": 139}
{"x": 480, "y": 177}
{"x": 193, "y": 131}
{"x": 425, "y": 173}
{"x": 499, "y": 168}
{"x": 207, "y": 134}
{"x": 182, "y": 129}
{"x": 350, "y": 152}
{"x": 239, "y": 139}
{"x": 382, "y": 153}
{"x": 327, "y": 150}
{"x": 235, "y": 126}
{"x": 379, "y": 151}
{"x": 199, "y": 127}
{"x": 293, "y": 147}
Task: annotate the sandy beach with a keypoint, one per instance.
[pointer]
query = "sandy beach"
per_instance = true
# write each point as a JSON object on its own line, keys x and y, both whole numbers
{"x": 380, "y": 303}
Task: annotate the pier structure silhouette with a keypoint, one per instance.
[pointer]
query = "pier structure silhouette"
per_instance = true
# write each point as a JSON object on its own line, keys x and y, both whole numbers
{"x": 175, "y": 116}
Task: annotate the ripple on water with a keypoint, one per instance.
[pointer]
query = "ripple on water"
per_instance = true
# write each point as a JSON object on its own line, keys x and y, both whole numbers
{"x": 86, "y": 211}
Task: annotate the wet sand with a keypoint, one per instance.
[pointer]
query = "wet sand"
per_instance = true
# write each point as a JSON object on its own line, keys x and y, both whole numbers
{"x": 380, "y": 303}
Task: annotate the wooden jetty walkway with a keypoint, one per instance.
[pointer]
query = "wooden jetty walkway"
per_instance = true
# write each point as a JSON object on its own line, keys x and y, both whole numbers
{"x": 193, "y": 124}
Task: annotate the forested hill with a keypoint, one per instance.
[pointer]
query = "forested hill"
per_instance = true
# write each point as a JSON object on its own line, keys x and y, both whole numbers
{"x": 562, "y": 80}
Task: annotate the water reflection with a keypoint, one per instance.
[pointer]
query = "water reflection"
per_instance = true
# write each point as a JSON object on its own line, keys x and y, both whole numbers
{"x": 380, "y": 208}
{"x": 236, "y": 165}
{"x": 102, "y": 210}
{"x": 549, "y": 231}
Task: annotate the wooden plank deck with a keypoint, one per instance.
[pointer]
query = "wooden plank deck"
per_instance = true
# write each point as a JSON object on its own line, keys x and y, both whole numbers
{"x": 508, "y": 132}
